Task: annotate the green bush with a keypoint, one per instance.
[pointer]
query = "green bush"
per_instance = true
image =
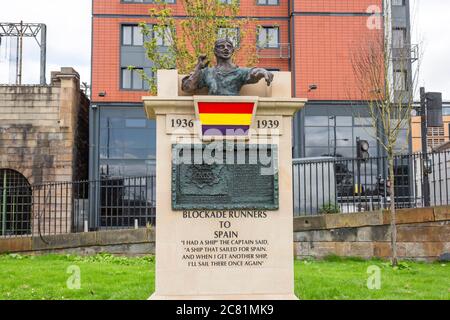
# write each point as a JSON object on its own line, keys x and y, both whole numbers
{"x": 329, "y": 208}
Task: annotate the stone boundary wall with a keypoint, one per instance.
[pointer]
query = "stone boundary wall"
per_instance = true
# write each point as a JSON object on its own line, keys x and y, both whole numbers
{"x": 423, "y": 234}
{"x": 127, "y": 242}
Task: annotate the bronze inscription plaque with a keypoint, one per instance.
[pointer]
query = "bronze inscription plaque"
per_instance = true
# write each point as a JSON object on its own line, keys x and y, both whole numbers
{"x": 224, "y": 177}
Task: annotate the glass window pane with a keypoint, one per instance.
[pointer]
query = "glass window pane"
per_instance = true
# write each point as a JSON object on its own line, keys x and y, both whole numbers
{"x": 262, "y": 36}
{"x": 317, "y": 121}
{"x": 316, "y": 136}
{"x": 345, "y": 152}
{"x": 398, "y": 37}
{"x": 316, "y": 152}
{"x": 158, "y": 37}
{"x": 126, "y": 78}
{"x": 138, "y": 38}
{"x": 135, "y": 123}
{"x": 126, "y": 35}
{"x": 362, "y": 121}
{"x": 162, "y": 35}
{"x": 137, "y": 80}
{"x": 401, "y": 144}
{"x": 167, "y": 37}
{"x": 343, "y": 121}
{"x": 229, "y": 33}
{"x": 344, "y": 136}
{"x": 366, "y": 133}
{"x": 272, "y": 37}
{"x": 400, "y": 80}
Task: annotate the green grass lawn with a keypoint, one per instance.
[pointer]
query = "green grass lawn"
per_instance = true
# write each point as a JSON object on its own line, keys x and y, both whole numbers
{"x": 109, "y": 277}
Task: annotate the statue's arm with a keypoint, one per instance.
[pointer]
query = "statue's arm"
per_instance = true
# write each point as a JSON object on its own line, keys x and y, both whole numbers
{"x": 191, "y": 83}
{"x": 257, "y": 74}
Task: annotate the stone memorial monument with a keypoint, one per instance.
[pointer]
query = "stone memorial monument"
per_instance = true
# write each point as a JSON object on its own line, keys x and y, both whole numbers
{"x": 224, "y": 209}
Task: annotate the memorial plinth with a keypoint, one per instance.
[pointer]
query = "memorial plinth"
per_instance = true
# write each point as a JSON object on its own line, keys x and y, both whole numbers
{"x": 224, "y": 230}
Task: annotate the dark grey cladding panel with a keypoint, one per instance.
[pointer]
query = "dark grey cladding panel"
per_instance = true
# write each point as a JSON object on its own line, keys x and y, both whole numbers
{"x": 134, "y": 56}
{"x": 399, "y": 16}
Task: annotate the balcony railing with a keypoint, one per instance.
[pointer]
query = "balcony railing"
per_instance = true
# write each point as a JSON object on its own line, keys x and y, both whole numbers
{"x": 406, "y": 52}
{"x": 282, "y": 51}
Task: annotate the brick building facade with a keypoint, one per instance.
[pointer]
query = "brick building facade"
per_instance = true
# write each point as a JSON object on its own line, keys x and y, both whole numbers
{"x": 314, "y": 40}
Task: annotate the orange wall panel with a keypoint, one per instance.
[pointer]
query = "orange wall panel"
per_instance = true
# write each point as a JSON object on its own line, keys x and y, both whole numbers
{"x": 324, "y": 46}
{"x": 353, "y": 6}
{"x": 247, "y": 8}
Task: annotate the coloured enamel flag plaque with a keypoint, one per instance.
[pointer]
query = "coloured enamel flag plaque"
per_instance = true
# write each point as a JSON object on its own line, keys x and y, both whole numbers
{"x": 230, "y": 119}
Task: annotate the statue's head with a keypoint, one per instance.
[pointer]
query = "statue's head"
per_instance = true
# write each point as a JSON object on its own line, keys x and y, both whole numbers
{"x": 224, "y": 49}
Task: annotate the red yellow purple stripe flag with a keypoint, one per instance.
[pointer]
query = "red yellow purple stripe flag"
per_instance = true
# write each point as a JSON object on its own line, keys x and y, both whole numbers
{"x": 225, "y": 118}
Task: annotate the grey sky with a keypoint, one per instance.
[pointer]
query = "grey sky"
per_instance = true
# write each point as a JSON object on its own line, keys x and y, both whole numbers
{"x": 69, "y": 38}
{"x": 431, "y": 30}
{"x": 69, "y": 35}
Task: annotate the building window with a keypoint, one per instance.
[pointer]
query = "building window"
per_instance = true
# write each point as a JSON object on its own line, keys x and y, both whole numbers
{"x": 132, "y": 35}
{"x": 268, "y": 37}
{"x": 400, "y": 77}
{"x": 267, "y": 2}
{"x": 163, "y": 36}
{"x": 227, "y": 1}
{"x": 229, "y": 33}
{"x": 132, "y": 79}
{"x": 398, "y": 38}
{"x": 398, "y": 2}
{"x": 335, "y": 135}
{"x": 127, "y": 148}
{"x": 126, "y": 134}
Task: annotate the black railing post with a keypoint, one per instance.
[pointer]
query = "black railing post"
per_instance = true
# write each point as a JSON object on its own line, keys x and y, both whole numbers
{"x": 424, "y": 133}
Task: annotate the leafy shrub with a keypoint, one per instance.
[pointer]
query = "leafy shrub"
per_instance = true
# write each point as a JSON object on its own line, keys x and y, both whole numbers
{"x": 330, "y": 208}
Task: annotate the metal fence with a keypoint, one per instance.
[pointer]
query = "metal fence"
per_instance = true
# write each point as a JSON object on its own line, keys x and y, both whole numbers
{"x": 332, "y": 185}
{"x": 321, "y": 185}
{"x": 64, "y": 207}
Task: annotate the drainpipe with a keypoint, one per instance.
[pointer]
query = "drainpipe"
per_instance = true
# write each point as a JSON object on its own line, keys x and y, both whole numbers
{"x": 4, "y": 205}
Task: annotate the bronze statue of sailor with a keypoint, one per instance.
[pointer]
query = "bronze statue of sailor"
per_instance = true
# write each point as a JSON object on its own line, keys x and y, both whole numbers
{"x": 224, "y": 79}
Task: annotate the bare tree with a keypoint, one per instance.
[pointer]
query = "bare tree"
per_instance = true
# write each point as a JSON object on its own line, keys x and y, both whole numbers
{"x": 382, "y": 65}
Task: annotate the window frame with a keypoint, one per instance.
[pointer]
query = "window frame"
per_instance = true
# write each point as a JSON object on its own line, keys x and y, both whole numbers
{"x": 267, "y": 4}
{"x": 238, "y": 44}
{"x": 154, "y": 33}
{"x": 405, "y": 80}
{"x": 403, "y": 3}
{"x": 404, "y": 34}
{"x": 121, "y": 86}
{"x": 265, "y": 46}
{"x": 132, "y": 26}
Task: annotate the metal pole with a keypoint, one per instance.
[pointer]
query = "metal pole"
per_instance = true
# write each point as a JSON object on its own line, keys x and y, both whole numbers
{"x": 4, "y": 205}
{"x": 335, "y": 139}
{"x": 423, "y": 114}
{"x": 358, "y": 176}
{"x": 43, "y": 53}
{"x": 20, "y": 54}
{"x": 17, "y": 60}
